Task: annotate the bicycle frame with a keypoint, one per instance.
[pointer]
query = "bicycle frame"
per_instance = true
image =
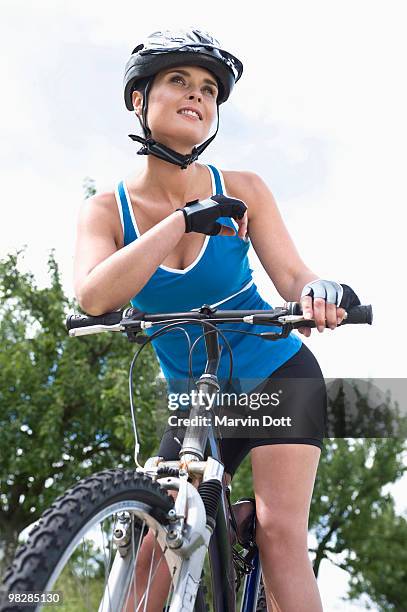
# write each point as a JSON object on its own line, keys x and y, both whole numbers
{"x": 251, "y": 586}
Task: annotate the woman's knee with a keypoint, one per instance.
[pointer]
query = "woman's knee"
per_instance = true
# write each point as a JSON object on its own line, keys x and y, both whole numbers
{"x": 278, "y": 532}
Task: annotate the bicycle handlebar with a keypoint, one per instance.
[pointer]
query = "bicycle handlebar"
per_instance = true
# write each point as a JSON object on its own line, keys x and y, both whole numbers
{"x": 290, "y": 315}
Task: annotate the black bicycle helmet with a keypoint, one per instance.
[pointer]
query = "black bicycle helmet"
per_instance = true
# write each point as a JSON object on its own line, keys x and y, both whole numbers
{"x": 168, "y": 49}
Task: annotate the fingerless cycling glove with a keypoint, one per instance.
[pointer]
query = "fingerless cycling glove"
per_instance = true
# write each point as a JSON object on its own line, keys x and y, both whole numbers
{"x": 201, "y": 216}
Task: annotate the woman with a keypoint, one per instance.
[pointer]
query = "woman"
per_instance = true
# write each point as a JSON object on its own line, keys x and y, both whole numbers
{"x": 145, "y": 244}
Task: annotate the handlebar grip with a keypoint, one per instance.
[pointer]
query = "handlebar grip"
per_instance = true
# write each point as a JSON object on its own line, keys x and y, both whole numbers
{"x": 79, "y": 320}
{"x": 359, "y": 314}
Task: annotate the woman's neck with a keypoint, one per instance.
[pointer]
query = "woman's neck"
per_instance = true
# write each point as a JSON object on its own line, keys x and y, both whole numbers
{"x": 167, "y": 182}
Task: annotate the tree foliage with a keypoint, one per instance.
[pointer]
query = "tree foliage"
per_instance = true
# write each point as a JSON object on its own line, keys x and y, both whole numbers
{"x": 64, "y": 407}
{"x": 354, "y": 520}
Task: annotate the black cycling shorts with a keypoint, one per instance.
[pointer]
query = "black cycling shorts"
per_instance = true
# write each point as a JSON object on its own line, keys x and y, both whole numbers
{"x": 300, "y": 384}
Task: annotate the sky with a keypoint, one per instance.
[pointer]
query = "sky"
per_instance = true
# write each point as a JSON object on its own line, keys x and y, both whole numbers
{"x": 319, "y": 113}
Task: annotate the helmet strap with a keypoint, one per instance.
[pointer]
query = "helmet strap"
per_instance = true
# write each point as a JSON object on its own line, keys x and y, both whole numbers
{"x": 152, "y": 147}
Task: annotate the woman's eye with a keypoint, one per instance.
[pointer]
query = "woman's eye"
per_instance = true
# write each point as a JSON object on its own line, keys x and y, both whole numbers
{"x": 210, "y": 90}
{"x": 178, "y": 78}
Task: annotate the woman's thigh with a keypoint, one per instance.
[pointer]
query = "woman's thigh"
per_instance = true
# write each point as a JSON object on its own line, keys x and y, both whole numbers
{"x": 302, "y": 398}
{"x": 284, "y": 470}
{"x": 283, "y": 481}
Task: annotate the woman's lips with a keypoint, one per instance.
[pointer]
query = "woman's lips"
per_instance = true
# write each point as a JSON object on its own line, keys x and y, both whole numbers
{"x": 191, "y": 112}
{"x": 190, "y": 117}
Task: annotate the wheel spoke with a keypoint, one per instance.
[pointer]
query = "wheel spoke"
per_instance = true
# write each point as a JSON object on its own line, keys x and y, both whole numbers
{"x": 85, "y": 563}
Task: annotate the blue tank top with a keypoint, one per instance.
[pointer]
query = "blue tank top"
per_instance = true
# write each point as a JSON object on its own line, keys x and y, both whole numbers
{"x": 220, "y": 276}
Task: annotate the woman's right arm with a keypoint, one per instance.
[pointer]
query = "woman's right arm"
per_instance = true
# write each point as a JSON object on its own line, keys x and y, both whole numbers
{"x": 107, "y": 277}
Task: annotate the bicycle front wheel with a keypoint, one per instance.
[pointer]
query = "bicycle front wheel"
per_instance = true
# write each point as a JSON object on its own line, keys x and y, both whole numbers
{"x": 102, "y": 546}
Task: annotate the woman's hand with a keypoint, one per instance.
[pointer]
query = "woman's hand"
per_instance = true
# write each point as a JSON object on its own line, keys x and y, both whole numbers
{"x": 202, "y": 216}
{"x": 242, "y": 223}
{"x": 327, "y": 303}
{"x": 324, "y": 314}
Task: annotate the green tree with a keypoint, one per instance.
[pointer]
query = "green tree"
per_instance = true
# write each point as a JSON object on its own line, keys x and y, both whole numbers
{"x": 242, "y": 484}
{"x": 64, "y": 407}
{"x": 354, "y": 520}
{"x": 380, "y": 564}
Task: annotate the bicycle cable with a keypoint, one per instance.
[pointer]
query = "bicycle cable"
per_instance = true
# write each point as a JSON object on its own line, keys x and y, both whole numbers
{"x": 133, "y": 362}
{"x": 169, "y": 327}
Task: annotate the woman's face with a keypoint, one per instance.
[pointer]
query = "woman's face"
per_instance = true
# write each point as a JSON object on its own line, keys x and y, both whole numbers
{"x": 181, "y": 106}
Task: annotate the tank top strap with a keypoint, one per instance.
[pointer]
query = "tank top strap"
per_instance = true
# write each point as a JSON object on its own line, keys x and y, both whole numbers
{"x": 220, "y": 189}
{"x": 219, "y": 183}
{"x": 123, "y": 204}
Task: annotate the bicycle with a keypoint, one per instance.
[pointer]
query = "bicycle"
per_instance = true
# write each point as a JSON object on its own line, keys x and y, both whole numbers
{"x": 96, "y": 531}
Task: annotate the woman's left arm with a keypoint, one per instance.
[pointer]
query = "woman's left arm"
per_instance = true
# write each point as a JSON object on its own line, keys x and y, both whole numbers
{"x": 275, "y": 247}
{"x": 269, "y": 235}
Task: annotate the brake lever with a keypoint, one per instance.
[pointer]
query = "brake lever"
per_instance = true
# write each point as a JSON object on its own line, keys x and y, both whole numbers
{"x": 131, "y": 329}
{"x": 290, "y": 322}
{"x": 286, "y": 328}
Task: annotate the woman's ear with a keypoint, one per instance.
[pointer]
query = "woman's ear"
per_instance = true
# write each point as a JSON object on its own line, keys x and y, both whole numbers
{"x": 137, "y": 99}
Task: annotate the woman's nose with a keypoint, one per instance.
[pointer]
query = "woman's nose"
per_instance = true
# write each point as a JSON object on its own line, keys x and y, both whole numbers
{"x": 192, "y": 96}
